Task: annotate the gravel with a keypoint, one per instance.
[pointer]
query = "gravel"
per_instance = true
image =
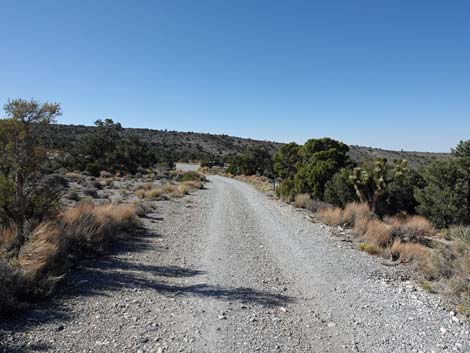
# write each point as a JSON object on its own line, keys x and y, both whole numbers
{"x": 230, "y": 270}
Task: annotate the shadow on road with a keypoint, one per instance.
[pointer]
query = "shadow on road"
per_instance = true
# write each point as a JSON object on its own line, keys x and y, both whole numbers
{"x": 117, "y": 272}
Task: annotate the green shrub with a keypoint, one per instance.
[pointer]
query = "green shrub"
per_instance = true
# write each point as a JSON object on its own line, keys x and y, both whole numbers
{"x": 108, "y": 148}
{"x": 321, "y": 159}
{"x": 25, "y": 198}
{"x": 445, "y": 199}
{"x": 339, "y": 190}
{"x": 254, "y": 161}
{"x": 191, "y": 176}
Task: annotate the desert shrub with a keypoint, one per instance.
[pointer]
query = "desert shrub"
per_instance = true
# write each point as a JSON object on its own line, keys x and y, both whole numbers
{"x": 400, "y": 192}
{"x": 375, "y": 181}
{"x": 254, "y": 161}
{"x": 331, "y": 216}
{"x": 286, "y": 161}
{"x": 410, "y": 228}
{"x": 109, "y": 149}
{"x": 370, "y": 248}
{"x": 339, "y": 190}
{"x": 7, "y": 237}
{"x": 285, "y": 190}
{"x": 320, "y": 160}
{"x": 378, "y": 233}
{"x": 88, "y": 227}
{"x": 192, "y": 176}
{"x": 193, "y": 184}
{"x": 354, "y": 211}
{"x": 408, "y": 252}
{"x": 25, "y": 197}
{"x": 445, "y": 199}
{"x": 46, "y": 255}
{"x": 301, "y": 200}
{"x": 353, "y": 214}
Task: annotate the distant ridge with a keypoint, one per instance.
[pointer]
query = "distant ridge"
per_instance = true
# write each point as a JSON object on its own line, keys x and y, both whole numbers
{"x": 198, "y": 146}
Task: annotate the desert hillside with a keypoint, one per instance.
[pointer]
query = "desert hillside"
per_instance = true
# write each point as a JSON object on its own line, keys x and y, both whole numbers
{"x": 199, "y": 146}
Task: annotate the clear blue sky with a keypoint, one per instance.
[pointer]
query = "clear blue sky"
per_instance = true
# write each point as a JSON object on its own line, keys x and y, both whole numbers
{"x": 384, "y": 73}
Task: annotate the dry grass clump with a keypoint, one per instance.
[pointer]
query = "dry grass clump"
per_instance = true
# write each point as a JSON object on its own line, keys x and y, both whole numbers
{"x": 74, "y": 176}
{"x": 301, "y": 200}
{"x": 96, "y": 222}
{"x": 352, "y": 214}
{"x": 411, "y": 228}
{"x": 370, "y": 248}
{"x": 331, "y": 216}
{"x": 378, "y": 232}
{"x": 407, "y": 252}
{"x": 193, "y": 184}
{"x": 261, "y": 183}
{"x": 148, "y": 191}
{"x": 7, "y": 237}
{"x": 355, "y": 211}
{"x": 45, "y": 256}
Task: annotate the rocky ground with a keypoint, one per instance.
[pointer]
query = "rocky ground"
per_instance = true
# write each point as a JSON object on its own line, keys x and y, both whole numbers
{"x": 227, "y": 269}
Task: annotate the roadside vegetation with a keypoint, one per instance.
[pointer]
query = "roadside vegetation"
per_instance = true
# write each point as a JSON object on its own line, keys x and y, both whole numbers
{"x": 60, "y": 205}
{"x": 418, "y": 217}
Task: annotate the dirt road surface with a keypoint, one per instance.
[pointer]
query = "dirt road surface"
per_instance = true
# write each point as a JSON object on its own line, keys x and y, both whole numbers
{"x": 230, "y": 270}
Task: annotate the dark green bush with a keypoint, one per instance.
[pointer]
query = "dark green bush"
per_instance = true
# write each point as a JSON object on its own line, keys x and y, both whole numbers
{"x": 108, "y": 148}
{"x": 190, "y": 176}
{"x": 320, "y": 160}
{"x": 445, "y": 199}
{"x": 254, "y": 161}
{"x": 339, "y": 190}
{"x": 25, "y": 196}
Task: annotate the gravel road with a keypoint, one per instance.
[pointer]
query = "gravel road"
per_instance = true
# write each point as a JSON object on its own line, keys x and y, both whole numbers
{"x": 230, "y": 270}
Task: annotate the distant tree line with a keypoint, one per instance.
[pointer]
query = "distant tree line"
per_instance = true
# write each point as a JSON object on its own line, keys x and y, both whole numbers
{"x": 322, "y": 168}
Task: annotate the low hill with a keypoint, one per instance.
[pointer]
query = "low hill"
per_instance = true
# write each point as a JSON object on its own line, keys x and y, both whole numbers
{"x": 188, "y": 146}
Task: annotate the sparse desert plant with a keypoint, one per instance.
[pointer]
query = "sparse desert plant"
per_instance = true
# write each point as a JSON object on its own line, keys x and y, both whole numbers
{"x": 378, "y": 233}
{"x": 23, "y": 155}
{"x": 301, "y": 200}
{"x": 370, "y": 248}
{"x": 355, "y": 211}
{"x": 192, "y": 176}
{"x": 154, "y": 193}
{"x": 411, "y": 228}
{"x": 193, "y": 184}
{"x": 407, "y": 252}
{"x": 331, "y": 216}
{"x": 428, "y": 287}
{"x": 140, "y": 193}
{"x": 7, "y": 237}
{"x": 105, "y": 174}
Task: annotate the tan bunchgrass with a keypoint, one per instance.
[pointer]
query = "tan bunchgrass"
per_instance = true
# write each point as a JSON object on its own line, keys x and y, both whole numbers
{"x": 355, "y": 211}
{"x": 378, "y": 233}
{"x": 370, "y": 248}
{"x": 331, "y": 216}
{"x": 154, "y": 193}
{"x": 140, "y": 193}
{"x": 353, "y": 214}
{"x": 411, "y": 227}
{"x": 409, "y": 251}
{"x": 194, "y": 184}
{"x": 45, "y": 251}
{"x": 7, "y": 236}
{"x": 301, "y": 200}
